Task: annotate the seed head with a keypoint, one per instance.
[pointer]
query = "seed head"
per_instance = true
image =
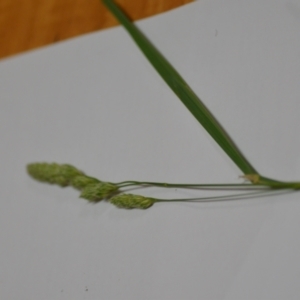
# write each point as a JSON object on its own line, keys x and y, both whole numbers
{"x": 130, "y": 201}
{"x": 98, "y": 191}
{"x": 53, "y": 173}
{"x": 80, "y": 182}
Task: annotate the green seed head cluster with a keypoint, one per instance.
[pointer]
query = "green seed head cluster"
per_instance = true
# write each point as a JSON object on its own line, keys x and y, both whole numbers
{"x": 130, "y": 201}
{"x": 98, "y": 191}
{"x": 53, "y": 173}
{"x": 92, "y": 189}
{"x": 81, "y": 181}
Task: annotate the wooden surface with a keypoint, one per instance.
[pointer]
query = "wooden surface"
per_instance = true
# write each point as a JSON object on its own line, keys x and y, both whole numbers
{"x": 30, "y": 24}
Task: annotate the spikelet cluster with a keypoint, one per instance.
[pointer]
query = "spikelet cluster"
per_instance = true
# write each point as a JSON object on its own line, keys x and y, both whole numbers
{"x": 91, "y": 189}
{"x": 98, "y": 191}
{"x": 80, "y": 182}
{"x": 53, "y": 173}
{"x": 130, "y": 201}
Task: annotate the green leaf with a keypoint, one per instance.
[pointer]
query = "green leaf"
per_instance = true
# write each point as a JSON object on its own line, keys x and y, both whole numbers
{"x": 183, "y": 91}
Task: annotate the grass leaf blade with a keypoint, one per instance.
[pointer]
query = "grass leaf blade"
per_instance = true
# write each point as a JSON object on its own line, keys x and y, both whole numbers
{"x": 183, "y": 91}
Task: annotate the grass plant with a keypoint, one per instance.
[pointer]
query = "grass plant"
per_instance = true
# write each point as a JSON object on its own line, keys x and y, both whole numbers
{"x": 95, "y": 190}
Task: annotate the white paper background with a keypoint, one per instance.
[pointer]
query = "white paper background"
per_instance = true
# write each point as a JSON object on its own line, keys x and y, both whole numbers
{"x": 95, "y": 102}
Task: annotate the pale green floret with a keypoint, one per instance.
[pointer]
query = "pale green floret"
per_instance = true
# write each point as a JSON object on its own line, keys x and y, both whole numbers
{"x": 80, "y": 182}
{"x": 98, "y": 191}
{"x": 130, "y": 201}
{"x": 53, "y": 173}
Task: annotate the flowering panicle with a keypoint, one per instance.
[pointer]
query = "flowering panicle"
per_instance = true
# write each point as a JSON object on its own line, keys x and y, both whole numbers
{"x": 98, "y": 191}
{"x": 53, "y": 173}
{"x": 91, "y": 188}
{"x": 130, "y": 201}
{"x": 95, "y": 190}
{"x": 80, "y": 182}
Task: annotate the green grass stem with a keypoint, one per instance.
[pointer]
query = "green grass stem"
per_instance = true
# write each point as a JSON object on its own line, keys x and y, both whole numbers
{"x": 241, "y": 196}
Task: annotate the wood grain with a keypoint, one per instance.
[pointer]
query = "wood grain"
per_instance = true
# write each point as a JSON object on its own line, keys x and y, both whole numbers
{"x": 30, "y": 24}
